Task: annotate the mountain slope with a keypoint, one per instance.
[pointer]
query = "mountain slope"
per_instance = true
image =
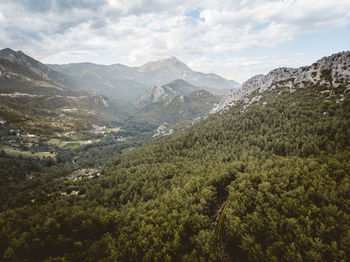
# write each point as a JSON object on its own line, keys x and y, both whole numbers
{"x": 265, "y": 180}
{"x": 115, "y": 81}
{"x": 281, "y": 164}
{"x": 328, "y": 71}
{"x": 35, "y": 98}
{"x": 121, "y": 82}
{"x": 21, "y": 64}
{"x": 166, "y": 92}
{"x": 179, "y": 108}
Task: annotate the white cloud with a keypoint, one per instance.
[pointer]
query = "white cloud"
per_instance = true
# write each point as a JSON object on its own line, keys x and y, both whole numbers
{"x": 134, "y": 32}
{"x": 242, "y": 68}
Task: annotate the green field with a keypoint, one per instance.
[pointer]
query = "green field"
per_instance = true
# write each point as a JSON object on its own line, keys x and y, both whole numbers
{"x": 14, "y": 152}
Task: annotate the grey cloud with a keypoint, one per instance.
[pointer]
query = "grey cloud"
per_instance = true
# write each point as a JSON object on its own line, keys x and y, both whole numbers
{"x": 21, "y": 39}
{"x": 98, "y": 24}
{"x": 57, "y": 16}
{"x": 134, "y": 29}
{"x": 82, "y": 4}
{"x": 63, "y": 27}
{"x": 153, "y": 6}
{"x": 44, "y": 6}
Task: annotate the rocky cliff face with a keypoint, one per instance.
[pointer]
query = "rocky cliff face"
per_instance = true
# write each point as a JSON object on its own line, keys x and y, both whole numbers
{"x": 6, "y": 73}
{"x": 155, "y": 94}
{"x": 166, "y": 92}
{"x": 330, "y": 71}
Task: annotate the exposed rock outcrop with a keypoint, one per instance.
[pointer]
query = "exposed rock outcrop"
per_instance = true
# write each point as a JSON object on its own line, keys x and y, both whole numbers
{"x": 330, "y": 71}
{"x": 166, "y": 92}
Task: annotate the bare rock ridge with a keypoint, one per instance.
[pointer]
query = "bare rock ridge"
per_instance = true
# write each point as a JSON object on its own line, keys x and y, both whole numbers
{"x": 329, "y": 71}
{"x": 165, "y": 92}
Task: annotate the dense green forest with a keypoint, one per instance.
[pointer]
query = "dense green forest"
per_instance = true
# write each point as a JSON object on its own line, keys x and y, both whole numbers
{"x": 280, "y": 167}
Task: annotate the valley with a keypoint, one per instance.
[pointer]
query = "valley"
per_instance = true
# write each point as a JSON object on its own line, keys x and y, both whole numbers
{"x": 176, "y": 172}
{"x": 174, "y": 131}
{"x": 61, "y": 131}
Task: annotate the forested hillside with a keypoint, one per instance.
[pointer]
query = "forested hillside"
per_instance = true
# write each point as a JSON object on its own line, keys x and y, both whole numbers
{"x": 279, "y": 166}
{"x": 175, "y": 110}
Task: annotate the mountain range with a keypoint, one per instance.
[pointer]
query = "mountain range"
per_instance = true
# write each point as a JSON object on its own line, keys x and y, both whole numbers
{"x": 37, "y": 99}
{"x": 124, "y": 83}
{"x": 264, "y": 177}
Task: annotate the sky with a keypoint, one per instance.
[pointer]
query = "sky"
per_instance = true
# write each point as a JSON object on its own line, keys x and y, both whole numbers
{"x": 236, "y": 39}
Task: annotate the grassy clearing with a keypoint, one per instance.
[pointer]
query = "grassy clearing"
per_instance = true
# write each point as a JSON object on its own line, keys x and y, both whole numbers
{"x": 71, "y": 144}
{"x": 13, "y": 152}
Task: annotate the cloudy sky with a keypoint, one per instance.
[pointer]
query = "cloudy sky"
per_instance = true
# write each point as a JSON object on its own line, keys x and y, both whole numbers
{"x": 235, "y": 39}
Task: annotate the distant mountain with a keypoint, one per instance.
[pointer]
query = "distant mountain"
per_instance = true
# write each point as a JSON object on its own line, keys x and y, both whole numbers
{"x": 165, "y": 70}
{"x": 166, "y": 92}
{"x": 114, "y": 81}
{"x": 180, "y": 108}
{"x": 329, "y": 71}
{"x": 35, "y": 98}
{"x": 125, "y": 83}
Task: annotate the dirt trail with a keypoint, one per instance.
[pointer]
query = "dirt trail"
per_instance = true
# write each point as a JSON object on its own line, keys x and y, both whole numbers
{"x": 220, "y": 215}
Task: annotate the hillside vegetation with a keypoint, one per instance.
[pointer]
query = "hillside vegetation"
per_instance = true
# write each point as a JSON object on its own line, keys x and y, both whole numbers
{"x": 281, "y": 162}
{"x": 36, "y": 99}
{"x": 180, "y": 108}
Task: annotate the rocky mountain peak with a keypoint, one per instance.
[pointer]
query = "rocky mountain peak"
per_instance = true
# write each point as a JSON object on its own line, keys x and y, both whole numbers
{"x": 6, "y": 51}
{"x": 329, "y": 71}
{"x": 17, "y": 65}
{"x": 154, "y": 94}
{"x": 174, "y": 59}
{"x": 170, "y": 90}
{"x": 172, "y": 64}
{"x": 20, "y": 58}
{"x": 16, "y": 56}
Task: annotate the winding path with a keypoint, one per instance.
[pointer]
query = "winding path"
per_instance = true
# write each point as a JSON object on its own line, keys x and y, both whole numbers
{"x": 218, "y": 235}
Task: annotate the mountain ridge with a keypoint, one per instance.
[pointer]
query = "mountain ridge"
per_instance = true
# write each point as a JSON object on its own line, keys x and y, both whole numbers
{"x": 180, "y": 107}
{"x": 37, "y": 70}
{"x": 35, "y": 98}
{"x": 333, "y": 70}
{"x": 167, "y": 91}
{"x": 113, "y": 80}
